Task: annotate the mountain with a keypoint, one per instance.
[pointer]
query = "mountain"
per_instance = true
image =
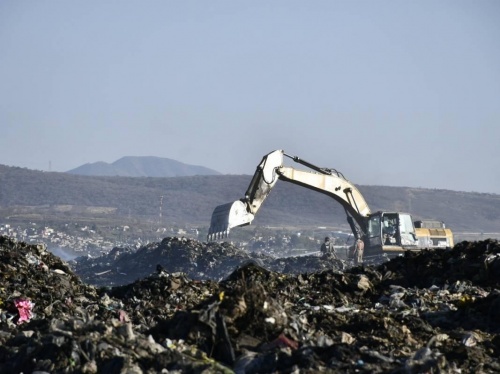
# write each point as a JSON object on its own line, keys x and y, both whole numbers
{"x": 142, "y": 166}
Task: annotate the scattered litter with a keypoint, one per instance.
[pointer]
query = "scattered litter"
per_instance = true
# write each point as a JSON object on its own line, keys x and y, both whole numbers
{"x": 152, "y": 310}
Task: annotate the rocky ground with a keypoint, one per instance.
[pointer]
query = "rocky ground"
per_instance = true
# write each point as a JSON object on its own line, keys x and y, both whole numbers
{"x": 183, "y": 306}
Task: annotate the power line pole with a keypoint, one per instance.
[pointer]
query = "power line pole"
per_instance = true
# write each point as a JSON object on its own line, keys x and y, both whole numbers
{"x": 161, "y": 208}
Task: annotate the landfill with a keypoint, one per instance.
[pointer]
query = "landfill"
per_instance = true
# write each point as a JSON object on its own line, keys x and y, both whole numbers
{"x": 184, "y": 306}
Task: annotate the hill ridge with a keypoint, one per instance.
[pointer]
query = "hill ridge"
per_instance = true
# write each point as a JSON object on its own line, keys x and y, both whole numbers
{"x": 142, "y": 166}
{"x": 30, "y": 194}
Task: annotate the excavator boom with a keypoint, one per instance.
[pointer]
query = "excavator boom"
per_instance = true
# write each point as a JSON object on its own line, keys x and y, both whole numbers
{"x": 269, "y": 171}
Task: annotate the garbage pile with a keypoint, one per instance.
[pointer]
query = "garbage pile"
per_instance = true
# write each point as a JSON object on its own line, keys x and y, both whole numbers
{"x": 197, "y": 260}
{"x": 434, "y": 312}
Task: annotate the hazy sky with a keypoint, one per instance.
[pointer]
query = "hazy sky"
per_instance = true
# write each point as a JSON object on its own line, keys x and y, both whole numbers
{"x": 399, "y": 93}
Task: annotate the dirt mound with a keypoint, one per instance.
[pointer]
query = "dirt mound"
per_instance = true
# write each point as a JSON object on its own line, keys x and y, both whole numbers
{"x": 436, "y": 311}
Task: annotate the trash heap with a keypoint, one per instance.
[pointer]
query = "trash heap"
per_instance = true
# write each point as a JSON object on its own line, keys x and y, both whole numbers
{"x": 434, "y": 311}
{"x": 197, "y": 260}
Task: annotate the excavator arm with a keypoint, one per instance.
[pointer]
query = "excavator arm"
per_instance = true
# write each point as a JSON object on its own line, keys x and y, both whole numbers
{"x": 269, "y": 171}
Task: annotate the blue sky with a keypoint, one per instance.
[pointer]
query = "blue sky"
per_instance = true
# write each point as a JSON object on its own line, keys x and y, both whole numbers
{"x": 397, "y": 93}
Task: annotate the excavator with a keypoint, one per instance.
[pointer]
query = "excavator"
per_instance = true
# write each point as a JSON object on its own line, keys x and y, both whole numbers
{"x": 386, "y": 234}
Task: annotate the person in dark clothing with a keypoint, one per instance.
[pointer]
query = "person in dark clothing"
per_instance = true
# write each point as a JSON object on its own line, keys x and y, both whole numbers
{"x": 327, "y": 248}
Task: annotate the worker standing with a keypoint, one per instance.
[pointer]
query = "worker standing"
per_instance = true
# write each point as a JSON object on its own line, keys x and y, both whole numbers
{"x": 359, "y": 248}
{"x": 327, "y": 248}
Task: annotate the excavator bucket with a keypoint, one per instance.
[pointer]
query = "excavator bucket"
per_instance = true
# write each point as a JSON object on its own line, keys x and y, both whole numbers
{"x": 227, "y": 216}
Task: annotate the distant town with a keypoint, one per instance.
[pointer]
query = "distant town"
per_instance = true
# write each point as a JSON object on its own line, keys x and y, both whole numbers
{"x": 71, "y": 240}
{"x": 74, "y": 240}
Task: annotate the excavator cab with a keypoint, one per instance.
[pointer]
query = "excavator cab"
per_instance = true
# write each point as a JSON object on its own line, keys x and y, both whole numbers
{"x": 390, "y": 232}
